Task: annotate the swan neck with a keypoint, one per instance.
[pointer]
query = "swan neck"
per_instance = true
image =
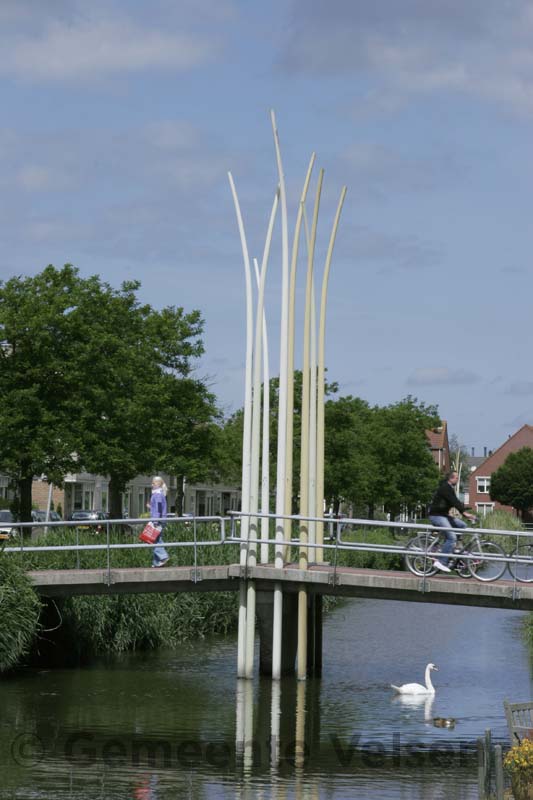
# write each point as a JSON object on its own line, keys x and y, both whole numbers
{"x": 429, "y": 685}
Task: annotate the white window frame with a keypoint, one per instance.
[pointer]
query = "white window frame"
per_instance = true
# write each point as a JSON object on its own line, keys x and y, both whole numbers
{"x": 484, "y": 508}
{"x": 483, "y": 484}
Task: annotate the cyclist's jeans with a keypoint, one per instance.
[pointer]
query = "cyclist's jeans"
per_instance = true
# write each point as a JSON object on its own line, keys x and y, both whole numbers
{"x": 451, "y": 536}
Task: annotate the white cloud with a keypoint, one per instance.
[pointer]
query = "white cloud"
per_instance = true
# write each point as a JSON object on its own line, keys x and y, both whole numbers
{"x": 405, "y": 251}
{"x": 99, "y": 46}
{"x": 380, "y": 169}
{"x": 477, "y": 47}
{"x": 520, "y": 388}
{"x": 34, "y": 178}
{"x": 430, "y": 376}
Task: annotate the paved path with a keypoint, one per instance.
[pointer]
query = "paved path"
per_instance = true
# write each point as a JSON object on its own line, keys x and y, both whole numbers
{"x": 321, "y": 579}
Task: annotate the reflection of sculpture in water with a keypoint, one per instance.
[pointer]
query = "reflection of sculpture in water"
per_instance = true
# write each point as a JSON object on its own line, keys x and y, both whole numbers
{"x": 145, "y": 787}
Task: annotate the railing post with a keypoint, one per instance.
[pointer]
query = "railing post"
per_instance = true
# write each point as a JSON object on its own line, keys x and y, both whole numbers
{"x": 498, "y": 770}
{"x": 108, "y": 554}
{"x": 481, "y": 769}
{"x": 195, "y": 553}
{"x": 488, "y": 759}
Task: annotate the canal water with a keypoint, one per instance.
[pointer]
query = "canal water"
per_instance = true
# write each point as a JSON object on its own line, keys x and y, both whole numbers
{"x": 176, "y": 724}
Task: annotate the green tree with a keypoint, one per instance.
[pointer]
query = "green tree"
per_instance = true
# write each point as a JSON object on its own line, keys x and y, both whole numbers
{"x": 191, "y": 433}
{"x": 230, "y": 440}
{"x": 373, "y": 456}
{"x": 512, "y": 483}
{"x": 407, "y": 473}
{"x": 38, "y": 388}
{"x": 351, "y": 469}
{"x": 88, "y": 379}
{"x": 130, "y": 391}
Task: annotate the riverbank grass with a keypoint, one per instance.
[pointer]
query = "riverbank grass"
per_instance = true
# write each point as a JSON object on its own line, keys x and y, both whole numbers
{"x": 19, "y": 613}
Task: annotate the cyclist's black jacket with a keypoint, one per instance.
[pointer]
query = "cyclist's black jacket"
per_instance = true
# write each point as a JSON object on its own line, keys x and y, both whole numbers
{"x": 444, "y": 499}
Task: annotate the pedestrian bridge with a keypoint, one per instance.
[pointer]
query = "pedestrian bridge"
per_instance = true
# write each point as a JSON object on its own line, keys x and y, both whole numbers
{"x": 283, "y": 572}
{"x": 322, "y": 575}
{"x": 323, "y": 579}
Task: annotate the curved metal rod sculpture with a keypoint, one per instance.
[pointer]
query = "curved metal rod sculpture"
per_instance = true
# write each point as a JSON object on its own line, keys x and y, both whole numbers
{"x": 321, "y": 378}
{"x": 247, "y": 432}
{"x": 265, "y": 444}
{"x": 282, "y": 410}
{"x": 256, "y": 430}
{"x": 312, "y": 443}
{"x": 290, "y": 352}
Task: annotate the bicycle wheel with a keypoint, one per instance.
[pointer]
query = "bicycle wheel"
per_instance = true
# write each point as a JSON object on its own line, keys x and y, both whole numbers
{"x": 419, "y": 563}
{"x": 522, "y": 572}
{"x": 462, "y": 568}
{"x": 483, "y": 569}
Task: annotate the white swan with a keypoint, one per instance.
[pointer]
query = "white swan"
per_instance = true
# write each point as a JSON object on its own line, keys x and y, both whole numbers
{"x": 417, "y": 688}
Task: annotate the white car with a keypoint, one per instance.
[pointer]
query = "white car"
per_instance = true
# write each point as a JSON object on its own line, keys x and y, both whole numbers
{"x": 6, "y": 523}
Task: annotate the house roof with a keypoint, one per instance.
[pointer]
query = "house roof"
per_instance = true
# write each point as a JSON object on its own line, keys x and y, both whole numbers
{"x": 437, "y": 436}
{"x": 524, "y": 434}
{"x": 475, "y": 461}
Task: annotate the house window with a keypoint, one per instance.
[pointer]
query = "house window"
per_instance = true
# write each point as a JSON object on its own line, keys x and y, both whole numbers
{"x": 88, "y": 497}
{"x": 483, "y": 485}
{"x": 200, "y": 503}
{"x": 484, "y": 508}
{"x": 126, "y": 498}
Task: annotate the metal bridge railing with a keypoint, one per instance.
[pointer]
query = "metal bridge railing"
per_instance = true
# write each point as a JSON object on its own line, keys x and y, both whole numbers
{"x": 336, "y": 531}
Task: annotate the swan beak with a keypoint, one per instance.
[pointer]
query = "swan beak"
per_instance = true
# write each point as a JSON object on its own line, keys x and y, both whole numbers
{"x": 435, "y": 668}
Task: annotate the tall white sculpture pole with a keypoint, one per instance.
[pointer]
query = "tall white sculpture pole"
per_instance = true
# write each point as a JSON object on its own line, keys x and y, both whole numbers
{"x": 304, "y": 449}
{"x": 319, "y": 511}
{"x": 247, "y": 434}
{"x": 312, "y": 421}
{"x": 282, "y": 412}
{"x": 290, "y": 350}
{"x": 265, "y": 444}
{"x": 256, "y": 431}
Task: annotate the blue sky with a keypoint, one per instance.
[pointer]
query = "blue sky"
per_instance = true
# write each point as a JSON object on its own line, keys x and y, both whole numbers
{"x": 121, "y": 119}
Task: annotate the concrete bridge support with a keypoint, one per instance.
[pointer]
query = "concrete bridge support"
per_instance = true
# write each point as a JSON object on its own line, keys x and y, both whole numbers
{"x": 265, "y": 614}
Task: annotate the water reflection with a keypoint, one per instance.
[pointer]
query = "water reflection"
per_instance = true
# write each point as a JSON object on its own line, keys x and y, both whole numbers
{"x": 410, "y": 702}
{"x": 178, "y": 724}
{"x": 145, "y": 787}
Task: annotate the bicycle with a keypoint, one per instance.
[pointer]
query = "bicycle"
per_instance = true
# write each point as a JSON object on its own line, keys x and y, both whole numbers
{"x": 428, "y": 547}
{"x": 522, "y": 571}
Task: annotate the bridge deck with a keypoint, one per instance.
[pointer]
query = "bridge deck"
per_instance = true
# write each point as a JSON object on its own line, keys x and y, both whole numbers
{"x": 320, "y": 579}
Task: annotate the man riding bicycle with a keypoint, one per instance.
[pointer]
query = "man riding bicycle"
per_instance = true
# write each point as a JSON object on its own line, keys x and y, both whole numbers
{"x": 442, "y": 501}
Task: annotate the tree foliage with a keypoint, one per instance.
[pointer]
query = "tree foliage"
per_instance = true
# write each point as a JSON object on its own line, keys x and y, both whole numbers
{"x": 512, "y": 483}
{"x": 38, "y": 386}
{"x": 378, "y": 456}
{"x": 374, "y": 456}
{"x": 91, "y": 378}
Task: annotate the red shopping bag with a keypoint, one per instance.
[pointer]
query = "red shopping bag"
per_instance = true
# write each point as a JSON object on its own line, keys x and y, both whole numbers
{"x": 150, "y": 533}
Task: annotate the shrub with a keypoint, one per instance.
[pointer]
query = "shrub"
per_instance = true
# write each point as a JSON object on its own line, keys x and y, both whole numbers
{"x": 120, "y": 623}
{"x": 19, "y": 613}
{"x": 518, "y": 762}
{"x": 503, "y": 521}
{"x": 365, "y": 559}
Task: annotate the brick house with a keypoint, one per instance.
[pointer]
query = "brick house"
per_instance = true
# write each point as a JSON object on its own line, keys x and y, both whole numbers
{"x": 86, "y": 491}
{"x": 440, "y": 447}
{"x": 479, "y": 482}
